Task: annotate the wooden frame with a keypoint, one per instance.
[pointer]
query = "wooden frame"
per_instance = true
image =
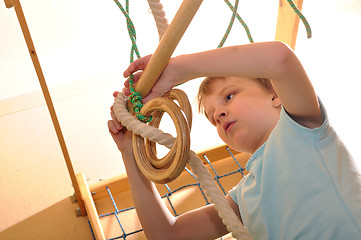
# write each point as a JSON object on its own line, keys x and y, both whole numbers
{"x": 34, "y": 57}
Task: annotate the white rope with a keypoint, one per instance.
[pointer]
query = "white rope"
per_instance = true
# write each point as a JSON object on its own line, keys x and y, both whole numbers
{"x": 159, "y": 16}
{"x": 225, "y": 212}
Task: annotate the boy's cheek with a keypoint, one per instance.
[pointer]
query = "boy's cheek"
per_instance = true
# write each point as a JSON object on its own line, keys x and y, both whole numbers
{"x": 220, "y": 134}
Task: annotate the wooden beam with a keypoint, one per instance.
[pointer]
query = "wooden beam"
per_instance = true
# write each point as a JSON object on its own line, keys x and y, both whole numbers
{"x": 34, "y": 57}
{"x": 167, "y": 45}
{"x": 287, "y": 23}
{"x": 90, "y": 207}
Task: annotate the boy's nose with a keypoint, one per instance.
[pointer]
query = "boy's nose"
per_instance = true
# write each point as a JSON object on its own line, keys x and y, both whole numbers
{"x": 220, "y": 115}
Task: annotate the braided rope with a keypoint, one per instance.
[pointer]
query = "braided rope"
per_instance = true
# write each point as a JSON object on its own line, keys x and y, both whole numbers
{"x": 131, "y": 29}
{"x": 162, "y": 25}
{"x": 229, "y": 28}
{"x": 225, "y": 212}
{"x": 159, "y": 16}
{"x": 135, "y": 97}
{"x": 234, "y": 15}
{"x": 302, "y": 17}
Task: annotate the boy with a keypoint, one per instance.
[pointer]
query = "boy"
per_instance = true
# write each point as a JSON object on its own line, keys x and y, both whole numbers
{"x": 302, "y": 183}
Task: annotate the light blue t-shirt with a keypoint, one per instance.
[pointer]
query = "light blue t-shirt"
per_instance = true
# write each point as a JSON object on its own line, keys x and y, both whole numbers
{"x": 302, "y": 184}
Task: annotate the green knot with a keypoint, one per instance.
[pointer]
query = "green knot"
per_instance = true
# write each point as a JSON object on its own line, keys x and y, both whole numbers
{"x": 137, "y": 101}
{"x": 135, "y": 98}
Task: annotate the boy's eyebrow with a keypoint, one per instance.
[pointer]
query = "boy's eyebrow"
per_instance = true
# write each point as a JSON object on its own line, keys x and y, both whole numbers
{"x": 223, "y": 90}
{"x": 226, "y": 89}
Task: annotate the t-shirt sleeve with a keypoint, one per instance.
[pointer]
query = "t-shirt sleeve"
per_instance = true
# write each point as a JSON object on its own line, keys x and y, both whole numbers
{"x": 301, "y": 132}
{"x": 235, "y": 192}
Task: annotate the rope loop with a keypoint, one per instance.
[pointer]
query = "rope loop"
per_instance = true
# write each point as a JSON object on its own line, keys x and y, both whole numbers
{"x": 137, "y": 102}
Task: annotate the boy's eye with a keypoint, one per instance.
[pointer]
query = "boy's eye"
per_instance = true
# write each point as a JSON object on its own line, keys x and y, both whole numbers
{"x": 229, "y": 97}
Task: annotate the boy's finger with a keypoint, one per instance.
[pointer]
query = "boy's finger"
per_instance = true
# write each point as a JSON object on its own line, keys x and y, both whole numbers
{"x": 133, "y": 67}
{"x": 148, "y": 98}
{"x": 117, "y": 124}
{"x": 112, "y": 127}
{"x": 138, "y": 64}
{"x": 137, "y": 77}
{"x": 126, "y": 91}
{"x": 115, "y": 94}
{"x": 129, "y": 70}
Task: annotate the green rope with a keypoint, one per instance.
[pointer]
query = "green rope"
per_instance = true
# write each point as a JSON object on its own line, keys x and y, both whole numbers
{"x": 234, "y": 15}
{"x": 300, "y": 15}
{"x": 135, "y": 97}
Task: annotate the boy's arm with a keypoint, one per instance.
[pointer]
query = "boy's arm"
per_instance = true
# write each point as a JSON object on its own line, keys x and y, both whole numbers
{"x": 157, "y": 221}
{"x": 273, "y": 60}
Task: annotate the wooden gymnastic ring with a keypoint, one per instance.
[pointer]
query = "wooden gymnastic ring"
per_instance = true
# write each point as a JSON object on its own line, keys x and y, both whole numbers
{"x": 184, "y": 105}
{"x": 169, "y": 167}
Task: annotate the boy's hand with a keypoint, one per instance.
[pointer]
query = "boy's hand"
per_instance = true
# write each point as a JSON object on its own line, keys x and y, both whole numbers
{"x": 121, "y": 136}
{"x": 135, "y": 68}
{"x": 166, "y": 81}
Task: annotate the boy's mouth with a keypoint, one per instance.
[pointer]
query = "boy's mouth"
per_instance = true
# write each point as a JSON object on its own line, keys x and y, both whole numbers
{"x": 227, "y": 126}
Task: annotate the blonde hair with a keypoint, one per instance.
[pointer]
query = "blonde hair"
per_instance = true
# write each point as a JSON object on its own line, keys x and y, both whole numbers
{"x": 205, "y": 89}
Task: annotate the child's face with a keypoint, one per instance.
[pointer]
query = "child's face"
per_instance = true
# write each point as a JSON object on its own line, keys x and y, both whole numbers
{"x": 243, "y": 111}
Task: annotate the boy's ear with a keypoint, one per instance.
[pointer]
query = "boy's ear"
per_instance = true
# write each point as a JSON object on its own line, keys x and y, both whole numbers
{"x": 276, "y": 101}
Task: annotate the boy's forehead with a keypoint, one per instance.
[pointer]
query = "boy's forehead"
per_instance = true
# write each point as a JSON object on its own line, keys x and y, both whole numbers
{"x": 219, "y": 84}
{"x": 216, "y": 84}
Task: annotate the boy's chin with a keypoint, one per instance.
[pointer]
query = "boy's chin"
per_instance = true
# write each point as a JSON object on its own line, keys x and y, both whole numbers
{"x": 237, "y": 147}
{"x": 240, "y": 148}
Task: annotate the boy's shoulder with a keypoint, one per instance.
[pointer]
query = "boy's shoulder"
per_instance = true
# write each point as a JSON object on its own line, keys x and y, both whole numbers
{"x": 290, "y": 126}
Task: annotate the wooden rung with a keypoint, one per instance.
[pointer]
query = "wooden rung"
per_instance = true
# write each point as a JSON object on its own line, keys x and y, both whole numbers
{"x": 90, "y": 207}
{"x": 117, "y": 184}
